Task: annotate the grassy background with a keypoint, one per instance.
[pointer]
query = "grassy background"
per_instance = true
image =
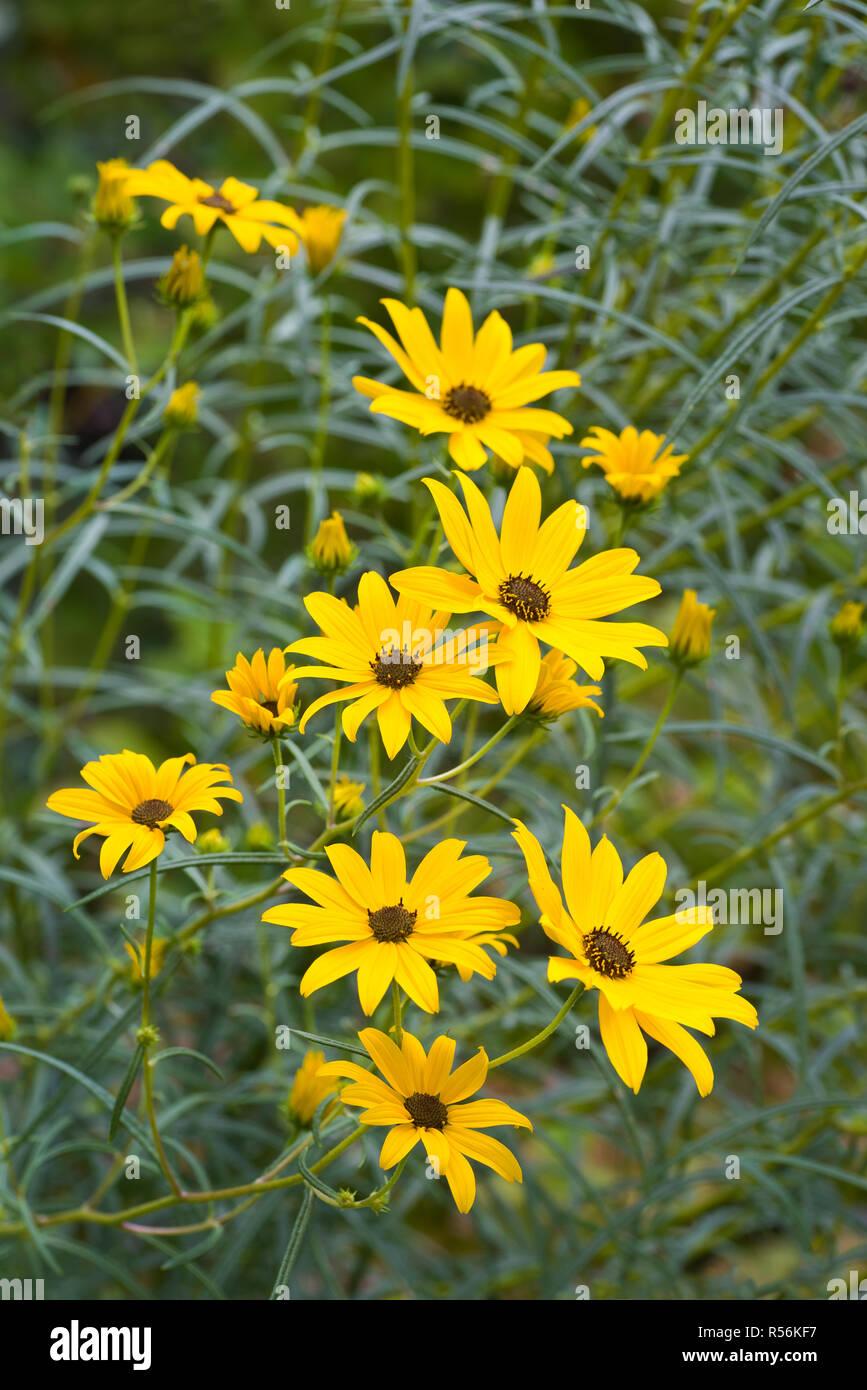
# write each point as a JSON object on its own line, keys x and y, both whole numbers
{"x": 704, "y": 262}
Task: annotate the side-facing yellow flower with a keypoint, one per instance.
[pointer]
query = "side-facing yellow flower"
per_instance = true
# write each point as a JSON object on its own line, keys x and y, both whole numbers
{"x": 522, "y": 578}
{"x": 473, "y": 387}
{"x": 310, "y": 1087}
{"x": 248, "y": 217}
{"x": 320, "y": 229}
{"x": 132, "y": 804}
{"x": 159, "y": 947}
{"x": 420, "y": 1099}
{"x": 636, "y": 465}
{"x": 690, "y": 637}
{"x": 182, "y": 406}
{"x": 331, "y": 551}
{"x": 397, "y": 660}
{"x": 348, "y": 797}
{"x": 8, "y": 1025}
{"x": 578, "y": 110}
{"x": 557, "y": 692}
{"x": 393, "y": 926}
{"x": 611, "y": 951}
{"x": 261, "y": 692}
{"x": 113, "y": 208}
{"x": 847, "y": 625}
{"x": 184, "y": 282}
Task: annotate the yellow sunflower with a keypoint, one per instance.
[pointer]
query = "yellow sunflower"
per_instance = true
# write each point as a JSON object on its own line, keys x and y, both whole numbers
{"x": 420, "y": 1100}
{"x": 556, "y": 692}
{"x": 309, "y": 1088}
{"x": 636, "y": 465}
{"x": 320, "y": 229}
{"x": 399, "y": 660}
{"x": 473, "y": 387}
{"x": 393, "y": 926}
{"x": 261, "y": 692}
{"x": 132, "y": 804}
{"x": 690, "y": 637}
{"x": 522, "y": 578}
{"x": 612, "y": 949}
{"x": 248, "y": 217}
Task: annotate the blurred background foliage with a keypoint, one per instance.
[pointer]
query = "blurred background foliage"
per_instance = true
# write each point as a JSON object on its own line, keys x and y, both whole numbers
{"x": 704, "y": 262}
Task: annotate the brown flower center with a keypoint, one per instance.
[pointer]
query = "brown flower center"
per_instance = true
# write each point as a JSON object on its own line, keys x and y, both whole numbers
{"x": 525, "y": 598}
{"x": 150, "y": 813}
{"x": 608, "y": 953}
{"x": 270, "y": 706}
{"x": 396, "y": 668}
{"x": 426, "y": 1112}
{"x": 216, "y": 200}
{"x": 467, "y": 404}
{"x": 391, "y": 923}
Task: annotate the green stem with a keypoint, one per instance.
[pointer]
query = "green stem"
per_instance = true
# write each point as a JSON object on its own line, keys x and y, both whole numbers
{"x": 295, "y": 1241}
{"x": 645, "y": 753}
{"x": 281, "y": 793}
{"x": 143, "y": 476}
{"x": 123, "y": 307}
{"x": 148, "y": 1043}
{"x": 317, "y": 454}
{"x": 794, "y": 823}
{"x": 539, "y": 1037}
{"x": 474, "y": 757}
{"x": 335, "y": 764}
{"x": 397, "y": 1006}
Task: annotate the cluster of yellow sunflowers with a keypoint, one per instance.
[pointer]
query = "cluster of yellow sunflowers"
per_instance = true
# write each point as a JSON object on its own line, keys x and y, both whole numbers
{"x": 395, "y": 655}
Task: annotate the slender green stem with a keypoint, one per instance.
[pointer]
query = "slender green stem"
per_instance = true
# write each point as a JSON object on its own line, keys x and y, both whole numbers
{"x": 123, "y": 1218}
{"x": 148, "y": 1042}
{"x": 317, "y": 453}
{"x": 123, "y": 307}
{"x": 376, "y": 771}
{"x": 539, "y": 1038}
{"x": 397, "y": 1006}
{"x": 281, "y": 793}
{"x": 637, "y": 766}
{"x": 794, "y": 823}
{"x": 157, "y": 454}
{"x": 335, "y": 764}
{"x": 406, "y": 183}
{"x": 295, "y": 1241}
{"x": 474, "y": 757}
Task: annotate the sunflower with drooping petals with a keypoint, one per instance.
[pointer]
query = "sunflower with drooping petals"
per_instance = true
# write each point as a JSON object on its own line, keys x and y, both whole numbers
{"x": 262, "y": 692}
{"x": 423, "y": 1101}
{"x": 320, "y": 229}
{"x": 237, "y": 205}
{"x": 522, "y": 577}
{"x": 309, "y": 1088}
{"x": 474, "y": 387}
{"x": 393, "y": 926}
{"x": 132, "y": 804}
{"x": 637, "y": 466}
{"x": 613, "y": 950}
{"x": 398, "y": 660}
{"x": 557, "y": 691}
